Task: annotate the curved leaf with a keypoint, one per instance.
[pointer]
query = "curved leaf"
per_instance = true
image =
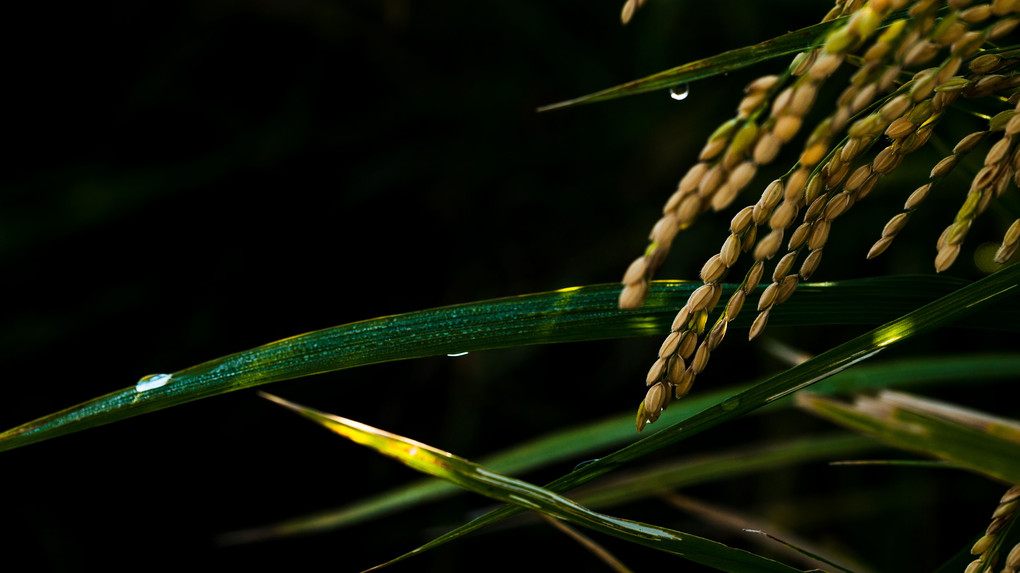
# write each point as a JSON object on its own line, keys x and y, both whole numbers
{"x": 478, "y": 479}
{"x": 573, "y": 444}
{"x": 789, "y": 43}
{"x": 571, "y": 314}
{"x": 981, "y": 443}
{"x": 944, "y": 311}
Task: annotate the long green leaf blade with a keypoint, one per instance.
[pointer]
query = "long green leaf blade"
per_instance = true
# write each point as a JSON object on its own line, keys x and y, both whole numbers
{"x": 478, "y": 479}
{"x": 573, "y": 444}
{"x": 572, "y": 314}
{"x": 946, "y": 310}
{"x": 981, "y": 443}
{"x": 789, "y": 43}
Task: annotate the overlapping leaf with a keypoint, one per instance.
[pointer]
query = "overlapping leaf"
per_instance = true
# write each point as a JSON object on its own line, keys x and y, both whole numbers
{"x": 572, "y": 314}
{"x": 946, "y": 310}
{"x": 522, "y": 494}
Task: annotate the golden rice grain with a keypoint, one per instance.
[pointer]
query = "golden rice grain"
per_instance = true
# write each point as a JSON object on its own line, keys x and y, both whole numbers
{"x": 836, "y": 206}
{"x": 900, "y": 128}
{"x": 730, "y": 250}
{"x": 819, "y": 234}
{"x": 771, "y": 196}
{"x": 814, "y": 188}
{"x": 715, "y": 337}
{"x": 802, "y": 62}
{"x": 683, "y": 316}
{"x": 684, "y": 386}
{"x": 676, "y": 368}
{"x": 886, "y": 160}
{"x": 767, "y": 148}
{"x": 656, "y": 371}
{"x": 794, "y": 188}
{"x": 687, "y": 343}
{"x": 628, "y": 11}
{"x": 879, "y": 247}
{"x": 784, "y": 266}
{"x": 713, "y": 269}
{"x": 688, "y": 209}
{"x": 753, "y": 277}
{"x": 740, "y": 221}
{"x": 655, "y": 399}
{"x": 786, "y": 288}
{"x": 1003, "y": 28}
{"x": 1003, "y": 7}
{"x": 968, "y": 43}
{"x": 689, "y": 182}
{"x": 917, "y": 196}
{"x": 810, "y": 265}
{"x": 748, "y": 239}
{"x": 665, "y": 230}
{"x": 825, "y": 65}
{"x": 857, "y": 178}
{"x": 735, "y": 304}
{"x": 758, "y": 325}
{"x": 982, "y": 544}
{"x": 835, "y": 177}
{"x": 816, "y": 207}
{"x": 943, "y": 167}
{"x": 945, "y": 257}
{"x": 700, "y": 358}
{"x": 985, "y": 63}
{"x": 633, "y": 295}
{"x": 786, "y": 127}
{"x": 998, "y": 151}
{"x": 700, "y": 298}
{"x": 669, "y": 345}
{"x": 895, "y": 224}
{"x": 767, "y": 247}
{"x": 783, "y": 215}
{"x": 803, "y": 97}
{"x": 868, "y": 185}
{"x": 799, "y": 236}
{"x": 920, "y": 53}
{"x": 712, "y": 149}
{"x": 768, "y": 296}
{"x": 636, "y": 271}
{"x": 922, "y": 84}
{"x": 711, "y": 181}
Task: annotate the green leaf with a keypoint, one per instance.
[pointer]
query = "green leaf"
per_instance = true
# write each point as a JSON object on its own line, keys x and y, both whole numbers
{"x": 571, "y": 314}
{"x": 573, "y": 444}
{"x": 969, "y": 439}
{"x": 789, "y": 43}
{"x": 478, "y": 479}
{"x": 946, "y": 310}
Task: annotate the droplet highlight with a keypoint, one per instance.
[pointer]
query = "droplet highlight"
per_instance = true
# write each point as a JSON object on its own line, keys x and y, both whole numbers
{"x": 585, "y": 463}
{"x": 456, "y": 354}
{"x": 152, "y": 381}
{"x": 680, "y": 92}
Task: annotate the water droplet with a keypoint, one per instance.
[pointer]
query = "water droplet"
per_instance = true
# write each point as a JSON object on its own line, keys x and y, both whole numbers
{"x": 151, "y": 382}
{"x": 585, "y": 463}
{"x": 680, "y": 92}
{"x": 456, "y": 354}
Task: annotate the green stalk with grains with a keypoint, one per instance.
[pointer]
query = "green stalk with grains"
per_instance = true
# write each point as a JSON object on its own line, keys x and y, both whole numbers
{"x": 914, "y": 61}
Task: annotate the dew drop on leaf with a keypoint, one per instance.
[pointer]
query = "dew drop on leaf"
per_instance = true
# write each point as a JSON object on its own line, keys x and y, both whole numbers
{"x": 680, "y": 92}
{"x": 151, "y": 382}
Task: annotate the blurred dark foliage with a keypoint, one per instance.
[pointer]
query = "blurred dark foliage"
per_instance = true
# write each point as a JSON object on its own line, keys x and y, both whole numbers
{"x": 186, "y": 180}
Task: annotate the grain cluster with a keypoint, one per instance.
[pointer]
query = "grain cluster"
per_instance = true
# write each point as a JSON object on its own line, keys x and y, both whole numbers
{"x": 910, "y": 63}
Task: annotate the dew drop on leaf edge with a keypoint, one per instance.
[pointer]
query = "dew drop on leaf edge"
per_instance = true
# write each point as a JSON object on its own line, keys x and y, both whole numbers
{"x": 680, "y": 92}
{"x": 151, "y": 382}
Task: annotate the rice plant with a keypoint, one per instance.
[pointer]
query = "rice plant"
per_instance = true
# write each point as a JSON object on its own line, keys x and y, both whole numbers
{"x": 867, "y": 423}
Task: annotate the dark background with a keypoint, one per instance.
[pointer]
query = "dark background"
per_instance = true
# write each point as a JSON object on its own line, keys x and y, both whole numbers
{"x": 187, "y": 180}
